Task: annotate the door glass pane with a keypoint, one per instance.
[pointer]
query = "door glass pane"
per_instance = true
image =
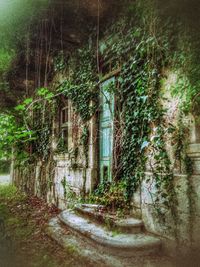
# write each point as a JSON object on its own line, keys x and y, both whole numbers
{"x": 106, "y": 142}
{"x": 106, "y": 107}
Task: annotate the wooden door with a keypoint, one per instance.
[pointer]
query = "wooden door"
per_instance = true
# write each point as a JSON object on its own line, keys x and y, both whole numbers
{"x": 106, "y": 130}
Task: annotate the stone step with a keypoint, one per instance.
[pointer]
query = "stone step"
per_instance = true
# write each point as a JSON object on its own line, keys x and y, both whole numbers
{"x": 96, "y": 214}
{"x": 98, "y": 256}
{"x": 78, "y": 245}
{"x": 115, "y": 243}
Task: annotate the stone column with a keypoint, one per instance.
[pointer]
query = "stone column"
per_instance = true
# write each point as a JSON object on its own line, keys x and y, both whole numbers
{"x": 194, "y": 193}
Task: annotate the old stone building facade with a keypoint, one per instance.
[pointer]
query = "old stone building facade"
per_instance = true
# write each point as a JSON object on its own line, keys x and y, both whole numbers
{"x": 84, "y": 154}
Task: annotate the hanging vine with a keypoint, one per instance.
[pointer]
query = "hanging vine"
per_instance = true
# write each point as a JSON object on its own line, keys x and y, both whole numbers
{"x": 142, "y": 48}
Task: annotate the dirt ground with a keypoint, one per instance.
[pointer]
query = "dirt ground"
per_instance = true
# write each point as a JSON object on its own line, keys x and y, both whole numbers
{"x": 23, "y": 242}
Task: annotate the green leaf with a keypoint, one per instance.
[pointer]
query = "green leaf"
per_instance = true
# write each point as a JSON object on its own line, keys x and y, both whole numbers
{"x": 27, "y": 101}
{"x": 144, "y": 145}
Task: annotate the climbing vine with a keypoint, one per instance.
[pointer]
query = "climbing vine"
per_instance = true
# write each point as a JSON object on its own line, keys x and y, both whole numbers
{"x": 145, "y": 49}
{"x": 80, "y": 85}
{"x": 141, "y": 49}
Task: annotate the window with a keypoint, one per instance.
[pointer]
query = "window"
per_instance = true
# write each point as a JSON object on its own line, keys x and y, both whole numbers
{"x": 64, "y": 115}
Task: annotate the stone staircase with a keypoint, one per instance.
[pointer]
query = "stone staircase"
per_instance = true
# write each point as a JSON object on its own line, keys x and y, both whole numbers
{"x": 94, "y": 231}
{"x": 97, "y": 214}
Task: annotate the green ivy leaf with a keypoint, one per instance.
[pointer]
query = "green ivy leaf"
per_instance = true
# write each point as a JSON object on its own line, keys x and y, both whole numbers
{"x": 144, "y": 145}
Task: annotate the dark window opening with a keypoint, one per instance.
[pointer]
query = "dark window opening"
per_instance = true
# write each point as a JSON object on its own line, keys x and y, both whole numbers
{"x": 65, "y": 136}
{"x": 64, "y": 115}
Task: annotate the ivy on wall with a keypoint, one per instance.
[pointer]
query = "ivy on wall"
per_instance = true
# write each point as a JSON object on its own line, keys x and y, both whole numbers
{"x": 142, "y": 47}
{"x": 80, "y": 84}
{"x": 141, "y": 51}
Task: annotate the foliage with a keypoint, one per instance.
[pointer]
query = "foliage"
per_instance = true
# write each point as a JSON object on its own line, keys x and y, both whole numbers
{"x": 60, "y": 62}
{"x": 84, "y": 142}
{"x": 142, "y": 45}
{"x": 69, "y": 194}
{"x": 4, "y": 166}
{"x": 80, "y": 85}
{"x": 144, "y": 55}
{"x": 25, "y": 133}
{"x": 143, "y": 95}
{"x": 37, "y": 117}
{"x": 61, "y": 146}
{"x": 8, "y": 192}
{"x": 11, "y": 133}
{"x": 6, "y": 58}
{"x": 111, "y": 195}
{"x": 16, "y": 19}
{"x": 146, "y": 50}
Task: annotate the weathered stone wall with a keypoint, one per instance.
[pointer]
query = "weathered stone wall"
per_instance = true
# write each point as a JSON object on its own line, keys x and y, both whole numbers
{"x": 63, "y": 175}
{"x": 181, "y": 228}
{"x": 73, "y": 172}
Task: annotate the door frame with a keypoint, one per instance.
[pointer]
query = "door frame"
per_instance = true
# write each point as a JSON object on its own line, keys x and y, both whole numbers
{"x": 112, "y": 74}
{"x": 106, "y": 124}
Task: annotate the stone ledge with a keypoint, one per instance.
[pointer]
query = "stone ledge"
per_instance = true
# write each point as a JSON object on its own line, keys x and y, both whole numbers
{"x": 61, "y": 157}
{"x": 194, "y": 150}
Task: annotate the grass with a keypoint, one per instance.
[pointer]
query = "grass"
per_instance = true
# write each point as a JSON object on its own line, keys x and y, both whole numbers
{"x": 24, "y": 242}
{"x": 8, "y": 192}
